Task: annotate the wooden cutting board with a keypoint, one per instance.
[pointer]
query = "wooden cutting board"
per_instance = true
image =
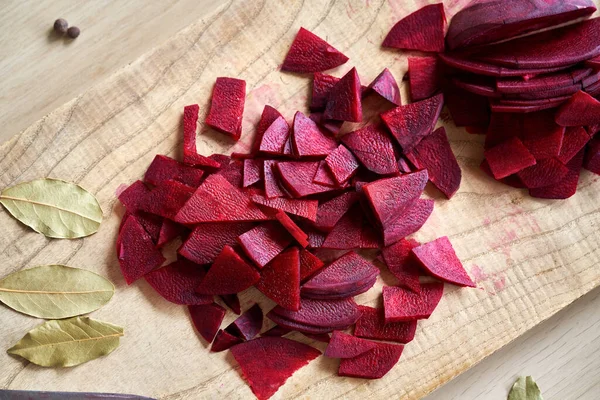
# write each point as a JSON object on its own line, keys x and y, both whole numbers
{"x": 530, "y": 257}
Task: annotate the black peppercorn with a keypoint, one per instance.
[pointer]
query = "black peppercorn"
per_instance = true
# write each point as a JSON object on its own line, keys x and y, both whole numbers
{"x": 73, "y": 32}
{"x": 60, "y": 26}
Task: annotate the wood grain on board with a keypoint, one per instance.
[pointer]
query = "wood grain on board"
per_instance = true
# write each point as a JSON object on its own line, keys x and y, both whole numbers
{"x": 529, "y": 257}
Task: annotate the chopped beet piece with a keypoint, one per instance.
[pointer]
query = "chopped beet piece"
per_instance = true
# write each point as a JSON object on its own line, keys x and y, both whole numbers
{"x": 342, "y": 164}
{"x": 330, "y": 125}
{"x": 546, "y": 172}
{"x": 477, "y": 84}
{"x": 229, "y": 274}
{"x": 467, "y": 109}
{"x": 373, "y": 148}
{"x": 166, "y": 199}
{"x": 284, "y": 357}
{"x": 233, "y": 172}
{"x": 272, "y": 188}
{"x": 299, "y": 207}
{"x": 136, "y": 252}
{"x": 592, "y": 157}
{"x": 293, "y": 229}
{"x": 322, "y": 85}
{"x": 526, "y": 106}
{"x": 402, "y": 264}
{"x": 511, "y": 180}
{"x": 351, "y": 232}
{"x": 274, "y": 137}
{"x": 309, "y": 264}
{"x": 177, "y": 283}
{"x": 217, "y": 200}
{"x": 221, "y": 159}
{"x": 503, "y": 127}
{"x": 310, "y": 53}
{"x": 321, "y": 314}
{"x": 405, "y": 305}
{"x": 300, "y": 327}
{"x": 541, "y": 135}
{"x": 308, "y": 140}
{"x": 330, "y": 212}
{"x": 233, "y": 302}
{"x": 207, "y": 319}
{"x": 372, "y": 325}
{"x": 151, "y": 223}
{"x": 207, "y": 240}
{"x": 133, "y": 196}
{"x": 253, "y": 171}
{"x": 280, "y": 279}
{"x": 343, "y": 345}
{"x": 541, "y": 83}
{"x": 408, "y": 222}
{"x": 574, "y": 140}
{"x": 324, "y": 176}
{"x": 247, "y": 325}
{"x": 422, "y": 30}
{"x": 403, "y": 166}
{"x": 412, "y": 122}
{"x": 373, "y": 364}
{"x": 343, "y": 103}
{"x": 190, "y": 155}
{"x": 297, "y": 177}
{"x": 227, "y": 106}
{"x": 164, "y": 168}
{"x": 581, "y": 110}
{"x": 169, "y": 230}
{"x": 316, "y": 238}
{"x": 546, "y": 94}
{"x": 268, "y": 116}
{"x": 223, "y": 341}
{"x": 423, "y": 75}
{"x": 386, "y": 86}
{"x": 567, "y": 186}
{"x": 345, "y": 275}
{"x": 439, "y": 260}
{"x": 265, "y": 242}
{"x": 276, "y": 331}
{"x": 434, "y": 154}
{"x": 508, "y": 158}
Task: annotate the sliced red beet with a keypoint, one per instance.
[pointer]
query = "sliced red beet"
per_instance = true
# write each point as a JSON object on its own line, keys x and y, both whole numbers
{"x": 207, "y": 240}
{"x": 227, "y": 106}
{"x": 274, "y": 137}
{"x": 541, "y": 135}
{"x": 343, "y": 345}
{"x": 247, "y": 325}
{"x": 217, "y": 200}
{"x": 373, "y": 364}
{"x": 280, "y": 279}
{"x": 352, "y": 231}
{"x": 592, "y": 157}
{"x": 403, "y": 166}
{"x": 372, "y": 325}
{"x": 502, "y": 127}
{"x": 177, "y": 283}
{"x": 133, "y": 196}
{"x": 508, "y": 158}
{"x": 467, "y": 109}
{"x": 299, "y": 207}
{"x": 322, "y": 85}
{"x": 164, "y": 168}
{"x": 546, "y": 94}
{"x": 265, "y": 242}
{"x": 330, "y": 212}
{"x": 293, "y": 229}
{"x": 574, "y": 140}
{"x": 324, "y": 176}
{"x": 343, "y": 103}
{"x": 342, "y": 164}
{"x": 207, "y": 319}
{"x": 386, "y": 86}
{"x": 300, "y": 327}
{"x": 253, "y": 171}
{"x": 223, "y": 341}
{"x": 408, "y": 222}
{"x": 466, "y": 63}
{"x": 297, "y": 177}
{"x": 309, "y": 264}
{"x": 308, "y": 140}
{"x": 477, "y": 84}
{"x": 310, "y": 53}
{"x": 229, "y": 274}
{"x": 402, "y": 305}
{"x": 434, "y": 154}
{"x": 332, "y": 126}
{"x": 422, "y": 30}
{"x": 286, "y": 357}
{"x": 316, "y": 238}
{"x": 268, "y": 116}
{"x": 567, "y": 186}
{"x": 526, "y": 106}
{"x": 412, "y": 122}
{"x": 272, "y": 188}
{"x": 402, "y": 264}
{"x": 345, "y": 275}
{"x": 233, "y": 302}
{"x": 151, "y": 223}
{"x": 373, "y": 148}
{"x": 190, "y": 155}
{"x": 541, "y": 83}
{"x": 548, "y": 171}
{"x": 439, "y": 260}
{"x": 511, "y": 180}
{"x": 169, "y": 230}
{"x": 166, "y": 199}
{"x": 276, "y": 331}
{"x": 423, "y": 75}
{"x": 581, "y": 110}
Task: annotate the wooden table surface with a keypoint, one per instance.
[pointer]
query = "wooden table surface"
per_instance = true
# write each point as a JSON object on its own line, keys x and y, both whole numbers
{"x": 40, "y": 72}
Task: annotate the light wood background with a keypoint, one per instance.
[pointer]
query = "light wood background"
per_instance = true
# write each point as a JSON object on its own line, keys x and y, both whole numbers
{"x": 531, "y": 258}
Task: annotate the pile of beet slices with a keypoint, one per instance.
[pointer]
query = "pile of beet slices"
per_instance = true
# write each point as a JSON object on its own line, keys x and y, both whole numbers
{"x": 310, "y": 215}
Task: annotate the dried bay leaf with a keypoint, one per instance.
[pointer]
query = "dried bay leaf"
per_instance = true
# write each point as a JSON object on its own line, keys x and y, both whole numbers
{"x": 68, "y": 342}
{"x": 55, "y": 291}
{"x": 55, "y": 208}
{"x": 525, "y": 388}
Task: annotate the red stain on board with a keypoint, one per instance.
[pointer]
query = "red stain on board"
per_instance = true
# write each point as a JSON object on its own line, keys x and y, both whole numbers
{"x": 478, "y": 274}
{"x": 499, "y": 284}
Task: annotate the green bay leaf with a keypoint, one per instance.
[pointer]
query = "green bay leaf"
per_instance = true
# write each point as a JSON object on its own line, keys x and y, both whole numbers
{"x": 55, "y": 291}
{"x": 68, "y": 342}
{"x": 55, "y": 208}
{"x": 525, "y": 388}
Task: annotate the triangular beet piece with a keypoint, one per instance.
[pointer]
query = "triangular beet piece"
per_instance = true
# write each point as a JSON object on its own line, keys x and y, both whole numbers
{"x": 342, "y": 164}
{"x": 423, "y": 75}
{"x": 151, "y": 223}
{"x": 136, "y": 252}
{"x": 386, "y": 86}
{"x": 207, "y": 240}
{"x": 308, "y": 140}
{"x": 297, "y": 177}
{"x": 166, "y": 199}
{"x": 408, "y": 222}
{"x": 405, "y": 305}
{"x": 309, "y": 264}
{"x": 402, "y": 263}
{"x": 274, "y": 137}
{"x": 293, "y": 229}
{"x": 265, "y": 242}
{"x": 412, "y": 122}
{"x": 581, "y": 110}
{"x": 574, "y": 140}
{"x": 177, "y": 283}
{"x": 567, "y": 186}
{"x": 322, "y": 85}
{"x": 373, "y": 148}
{"x": 276, "y": 331}
{"x": 327, "y": 314}
{"x": 330, "y": 212}
{"x": 371, "y": 325}
{"x": 422, "y": 30}
{"x": 190, "y": 155}
{"x": 373, "y": 364}
{"x": 508, "y": 158}
{"x": 324, "y": 176}
{"x": 164, "y": 168}
{"x": 592, "y": 157}
{"x": 343, "y": 345}
{"x": 223, "y": 341}
{"x": 268, "y": 116}
{"x": 439, "y": 260}
{"x": 268, "y": 362}
{"x": 217, "y": 200}
{"x": 343, "y": 103}
{"x": 280, "y": 279}
{"x": 229, "y": 274}
{"x": 133, "y": 196}
{"x": 207, "y": 319}
{"x": 434, "y": 154}
{"x": 511, "y": 180}
{"x": 310, "y": 53}
{"x": 233, "y": 302}
{"x": 548, "y": 171}
{"x": 227, "y": 106}
{"x": 272, "y": 188}
{"x": 299, "y": 207}
{"x": 253, "y": 171}
{"x": 169, "y": 230}
{"x": 247, "y": 325}
{"x": 351, "y": 232}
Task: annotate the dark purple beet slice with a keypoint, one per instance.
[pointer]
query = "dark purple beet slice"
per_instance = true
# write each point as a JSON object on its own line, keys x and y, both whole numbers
{"x": 466, "y": 108}
{"x": 386, "y": 86}
{"x": 590, "y": 79}
{"x": 310, "y": 53}
{"x": 268, "y": 116}
{"x": 342, "y": 164}
{"x": 265, "y": 242}
{"x": 227, "y": 106}
{"x": 488, "y": 21}
{"x": 581, "y": 110}
{"x": 567, "y": 186}
{"x": 412, "y": 122}
{"x": 299, "y": 207}
{"x": 280, "y": 279}
{"x": 476, "y": 84}
{"x": 164, "y": 168}
{"x": 423, "y": 75}
{"x": 439, "y": 260}
{"x": 294, "y": 230}
{"x": 229, "y": 274}
{"x": 592, "y": 157}
{"x": 343, "y": 103}
{"x": 297, "y": 177}
{"x": 302, "y": 328}
{"x": 247, "y": 325}
{"x": 502, "y": 127}
{"x": 371, "y": 325}
{"x": 275, "y": 137}
{"x": 136, "y": 252}
{"x": 332, "y": 314}
{"x": 593, "y": 62}
{"x": 574, "y": 140}
{"x": 402, "y": 305}
{"x": 422, "y": 30}
{"x": 465, "y": 63}
{"x": 330, "y": 212}
{"x": 177, "y": 283}
{"x": 408, "y": 222}
{"x": 508, "y": 158}
{"x": 169, "y": 230}
{"x": 526, "y": 106}
{"x": 511, "y": 180}
{"x": 253, "y": 171}
{"x": 324, "y": 176}
{"x": 434, "y": 154}
{"x": 322, "y": 85}
{"x": 316, "y": 238}
{"x": 402, "y": 264}
{"x": 357, "y": 289}
{"x": 276, "y": 331}
{"x": 233, "y": 302}
{"x": 403, "y": 166}
{"x": 373, "y": 148}
{"x": 284, "y": 357}
{"x": 343, "y": 345}
{"x": 373, "y": 364}
{"x": 233, "y": 171}
{"x": 541, "y": 83}
{"x": 593, "y": 90}
{"x": 546, "y": 94}
{"x": 308, "y": 140}
{"x": 207, "y": 240}
{"x": 541, "y": 135}
{"x": 223, "y": 341}
{"x": 207, "y": 319}
{"x": 352, "y": 231}
{"x": 546, "y": 172}
{"x": 190, "y": 156}
{"x": 272, "y": 188}
{"x": 309, "y": 264}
